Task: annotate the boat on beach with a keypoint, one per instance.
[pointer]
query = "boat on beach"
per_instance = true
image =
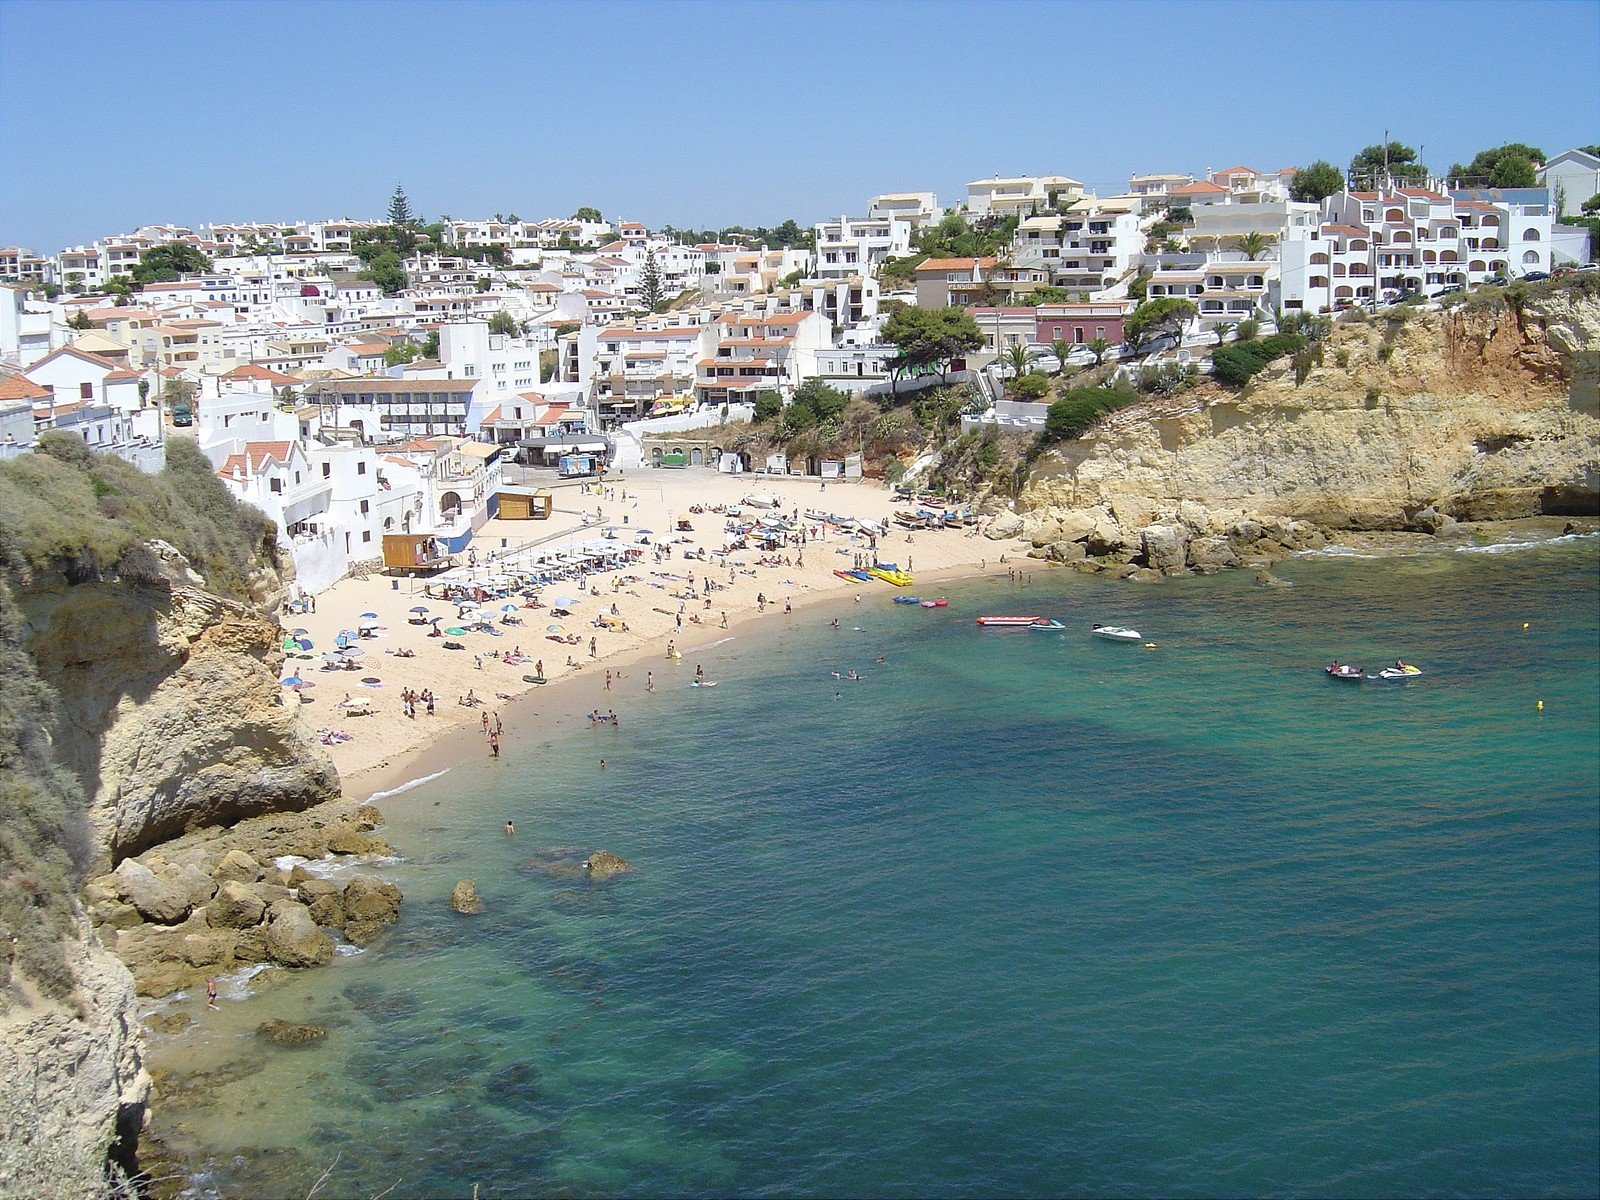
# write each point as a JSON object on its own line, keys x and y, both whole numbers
{"x": 1116, "y": 633}
{"x": 891, "y": 574}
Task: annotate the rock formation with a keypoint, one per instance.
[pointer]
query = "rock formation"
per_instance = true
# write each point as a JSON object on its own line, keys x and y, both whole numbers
{"x": 1407, "y": 425}
{"x": 602, "y": 865}
{"x": 464, "y": 898}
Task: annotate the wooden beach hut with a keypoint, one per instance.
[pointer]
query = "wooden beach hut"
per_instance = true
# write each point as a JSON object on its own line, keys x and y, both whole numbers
{"x": 414, "y": 552}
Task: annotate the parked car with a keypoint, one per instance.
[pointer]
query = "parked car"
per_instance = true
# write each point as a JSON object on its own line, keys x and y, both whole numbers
{"x": 1535, "y": 276}
{"x": 1587, "y": 267}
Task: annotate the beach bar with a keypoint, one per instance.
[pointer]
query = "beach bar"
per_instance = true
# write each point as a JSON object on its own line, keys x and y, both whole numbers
{"x": 521, "y": 504}
{"x": 414, "y": 552}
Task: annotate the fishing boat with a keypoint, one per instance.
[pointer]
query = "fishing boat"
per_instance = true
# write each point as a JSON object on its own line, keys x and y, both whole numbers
{"x": 1116, "y": 633}
{"x": 1401, "y": 670}
{"x": 1010, "y": 622}
{"x": 1345, "y": 671}
{"x": 1048, "y": 625}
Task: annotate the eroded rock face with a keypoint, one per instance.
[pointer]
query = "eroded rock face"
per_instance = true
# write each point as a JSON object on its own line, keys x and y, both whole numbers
{"x": 170, "y": 697}
{"x": 72, "y": 1081}
{"x": 1449, "y": 415}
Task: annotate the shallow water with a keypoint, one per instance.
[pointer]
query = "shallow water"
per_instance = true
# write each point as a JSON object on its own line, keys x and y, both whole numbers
{"x": 1016, "y": 914}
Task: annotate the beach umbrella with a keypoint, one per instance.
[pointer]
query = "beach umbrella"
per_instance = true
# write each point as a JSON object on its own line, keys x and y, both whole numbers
{"x": 421, "y": 609}
{"x": 371, "y": 680}
{"x": 291, "y": 681}
{"x": 552, "y": 629}
{"x": 352, "y": 652}
{"x": 298, "y": 632}
{"x": 304, "y": 643}
{"x": 508, "y": 608}
{"x": 434, "y": 620}
{"x": 565, "y": 601}
{"x": 455, "y": 631}
{"x": 369, "y": 616}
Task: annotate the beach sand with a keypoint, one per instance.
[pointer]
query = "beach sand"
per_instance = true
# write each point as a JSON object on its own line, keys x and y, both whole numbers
{"x": 386, "y": 748}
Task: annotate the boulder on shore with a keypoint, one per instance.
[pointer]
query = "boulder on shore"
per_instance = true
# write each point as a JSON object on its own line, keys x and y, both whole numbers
{"x": 1005, "y": 525}
{"x": 235, "y": 906}
{"x": 369, "y": 899}
{"x": 1166, "y": 548}
{"x": 238, "y": 867}
{"x": 464, "y": 898}
{"x": 293, "y": 938}
{"x": 156, "y": 899}
{"x": 349, "y": 841}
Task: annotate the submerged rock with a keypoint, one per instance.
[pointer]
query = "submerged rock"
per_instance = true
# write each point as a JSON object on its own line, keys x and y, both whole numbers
{"x": 464, "y": 898}
{"x": 603, "y": 864}
{"x": 284, "y": 1033}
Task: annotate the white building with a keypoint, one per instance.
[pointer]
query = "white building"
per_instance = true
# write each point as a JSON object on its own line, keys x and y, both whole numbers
{"x": 916, "y": 209}
{"x": 1019, "y": 195}
{"x": 1091, "y": 248}
{"x": 1572, "y": 177}
{"x": 859, "y": 245}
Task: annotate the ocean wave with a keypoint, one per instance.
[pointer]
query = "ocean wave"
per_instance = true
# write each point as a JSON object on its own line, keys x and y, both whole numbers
{"x": 1530, "y": 544}
{"x": 346, "y": 950}
{"x": 407, "y": 786}
{"x": 718, "y": 642}
{"x": 335, "y": 866}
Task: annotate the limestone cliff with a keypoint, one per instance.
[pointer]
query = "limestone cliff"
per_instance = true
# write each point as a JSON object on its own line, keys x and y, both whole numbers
{"x": 1473, "y": 414}
{"x": 170, "y": 698}
{"x": 72, "y": 1082}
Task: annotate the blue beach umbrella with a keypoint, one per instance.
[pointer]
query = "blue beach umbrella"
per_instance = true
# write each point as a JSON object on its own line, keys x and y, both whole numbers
{"x": 419, "y": 608}
{"x": 291, "y": 681}
{"x": 369, "y": 616}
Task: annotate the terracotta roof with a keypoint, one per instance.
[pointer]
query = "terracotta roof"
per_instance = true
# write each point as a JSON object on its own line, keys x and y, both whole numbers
{"x": 1346, "y": 230}
{"x": 20, "y": 387}
{"x": 76, "y": 353}
{"x": 1236, "y": 171}
{"x": 255, "y": 456}
{"x": 260, "y": 374}
{"x": 1202, "y": 188}
{"x": 955, "y": 264}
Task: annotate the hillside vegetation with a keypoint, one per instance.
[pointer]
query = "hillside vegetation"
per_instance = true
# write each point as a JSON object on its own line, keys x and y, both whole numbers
{"x": 70, "y": 516}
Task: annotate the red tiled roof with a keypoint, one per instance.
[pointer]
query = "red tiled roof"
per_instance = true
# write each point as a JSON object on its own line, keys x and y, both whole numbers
{"x": 1197, "y": 189}
{"x": 20, "y": 387}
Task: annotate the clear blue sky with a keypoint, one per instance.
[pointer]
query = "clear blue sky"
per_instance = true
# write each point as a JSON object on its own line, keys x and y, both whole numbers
{"x": 708, "y": 114}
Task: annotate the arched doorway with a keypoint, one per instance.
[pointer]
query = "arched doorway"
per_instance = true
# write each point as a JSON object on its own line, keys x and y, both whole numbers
{"x": 697, "y": 457}
{"x": 655, "y": 456}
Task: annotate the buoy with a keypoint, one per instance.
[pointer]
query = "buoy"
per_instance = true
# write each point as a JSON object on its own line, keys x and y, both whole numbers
{"x": 1524, "y": 624}
{"x": 1149, "y": 645}
{"x": 1541, "y": 706}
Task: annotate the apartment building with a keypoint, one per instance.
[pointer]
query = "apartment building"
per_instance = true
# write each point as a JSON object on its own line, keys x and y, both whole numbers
{"x": 404, "y": 407}
{"x": 746, "y": 352}
{"x": 1019, "y": 195}
{"x": 858, "y": 245}
{"x": 916, "y": 209}
{"x": 1091, "y": 248}
{"x": 959, "y": 281}
{"x": 1226, "y": 212}
{"x": 634, "y": 366}
{"x": 1154, "y": 191}
{"x": 1571, "y": 177}
{"x": 1373, "y": 245}
{"x": 18, "y": 265}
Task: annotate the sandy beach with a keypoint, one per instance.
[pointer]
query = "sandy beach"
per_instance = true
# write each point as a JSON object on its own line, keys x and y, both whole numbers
{"x": 386, "y": 747}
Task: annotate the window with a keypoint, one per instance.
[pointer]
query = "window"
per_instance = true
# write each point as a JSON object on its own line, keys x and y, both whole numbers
{"x": 361, "y": 468}
{"x": 366, "y": 534}
{"x": 363, "y": 508}
{"x": 327, "y": 470}
{"x": 86, "y": 391}
{"x": 275, "y": 485}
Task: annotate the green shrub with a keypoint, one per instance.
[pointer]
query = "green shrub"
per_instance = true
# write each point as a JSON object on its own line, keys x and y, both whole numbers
{"x": 1033, "y": 386}
{"x": 1235, "y": 364}
{"x": 1249, "y": 329}
{"x": 1072, "y": 415}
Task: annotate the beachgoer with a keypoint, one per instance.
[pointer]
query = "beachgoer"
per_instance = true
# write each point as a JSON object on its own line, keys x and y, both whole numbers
{"x": 494, "y": 744}
{"x": 538, "y": 669}
{"x": 211, "y": 992}
{"x": 486, "y": 723}
{"x": 602, "y": 764}
{"x": 593, "y": 653}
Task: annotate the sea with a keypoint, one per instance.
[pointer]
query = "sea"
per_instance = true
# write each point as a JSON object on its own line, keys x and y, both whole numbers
{"x": 1015, "y": 913}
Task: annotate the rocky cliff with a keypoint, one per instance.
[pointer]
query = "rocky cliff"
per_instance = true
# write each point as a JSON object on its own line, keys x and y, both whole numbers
{"x": 171, "y": 704}
{"x": 1411, "y": 422}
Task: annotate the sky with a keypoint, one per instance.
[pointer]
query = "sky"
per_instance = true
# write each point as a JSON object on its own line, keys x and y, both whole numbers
{"x": 115, "y": 115}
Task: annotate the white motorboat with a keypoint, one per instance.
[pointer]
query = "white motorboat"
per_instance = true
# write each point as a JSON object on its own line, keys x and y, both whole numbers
{"x": 1116, "y": 633}
{"x": 1400, "y": 671}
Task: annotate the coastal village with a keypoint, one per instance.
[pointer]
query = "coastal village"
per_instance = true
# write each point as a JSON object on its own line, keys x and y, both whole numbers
{"x": 518, "y": 476}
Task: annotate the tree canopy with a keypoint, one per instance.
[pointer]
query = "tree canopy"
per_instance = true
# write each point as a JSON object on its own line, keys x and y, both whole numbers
{"x": 1400, "y": 161}
{"x": 400, "y": 211}
{"x": 503, "y": 322}
{"x": 652, "y": 291}
{"x": 169, "y": 263}
{"x": 928, "y": 338}
{"x": 1316, "y": 183}
{"x": 588, "y": 213}
{"x": 1153, "y": 318}
{"x": 1513, "y": 165}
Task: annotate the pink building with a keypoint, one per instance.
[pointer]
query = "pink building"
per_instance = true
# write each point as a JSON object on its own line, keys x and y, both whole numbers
{"x": 1081, "y": 323}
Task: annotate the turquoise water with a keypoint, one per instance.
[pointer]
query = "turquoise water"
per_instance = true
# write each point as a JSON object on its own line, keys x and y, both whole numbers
{"x": 1017, "y": 914}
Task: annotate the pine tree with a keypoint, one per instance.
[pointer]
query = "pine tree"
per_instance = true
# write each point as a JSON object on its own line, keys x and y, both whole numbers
{"x": 400, "y": 213}
{"x": 651, "y": 293}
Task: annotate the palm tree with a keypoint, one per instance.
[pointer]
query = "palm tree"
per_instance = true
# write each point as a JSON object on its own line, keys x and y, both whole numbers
{"x": 1253, "y": 244}
{"x": 1060, "y": 347}
{"x": 1099, "y": 347}
{"x": 1223, "y": 329}
{"x": 1018, "y": 358}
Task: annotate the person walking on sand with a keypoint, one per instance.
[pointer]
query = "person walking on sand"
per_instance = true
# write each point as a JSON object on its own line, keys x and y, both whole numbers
{"x": 538, "y": 669}
{"x": 486, "y": 724}
{"x": 497, "y": 726}
{"x": 593, "y": 653}
{"x": 494, "y": 745}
